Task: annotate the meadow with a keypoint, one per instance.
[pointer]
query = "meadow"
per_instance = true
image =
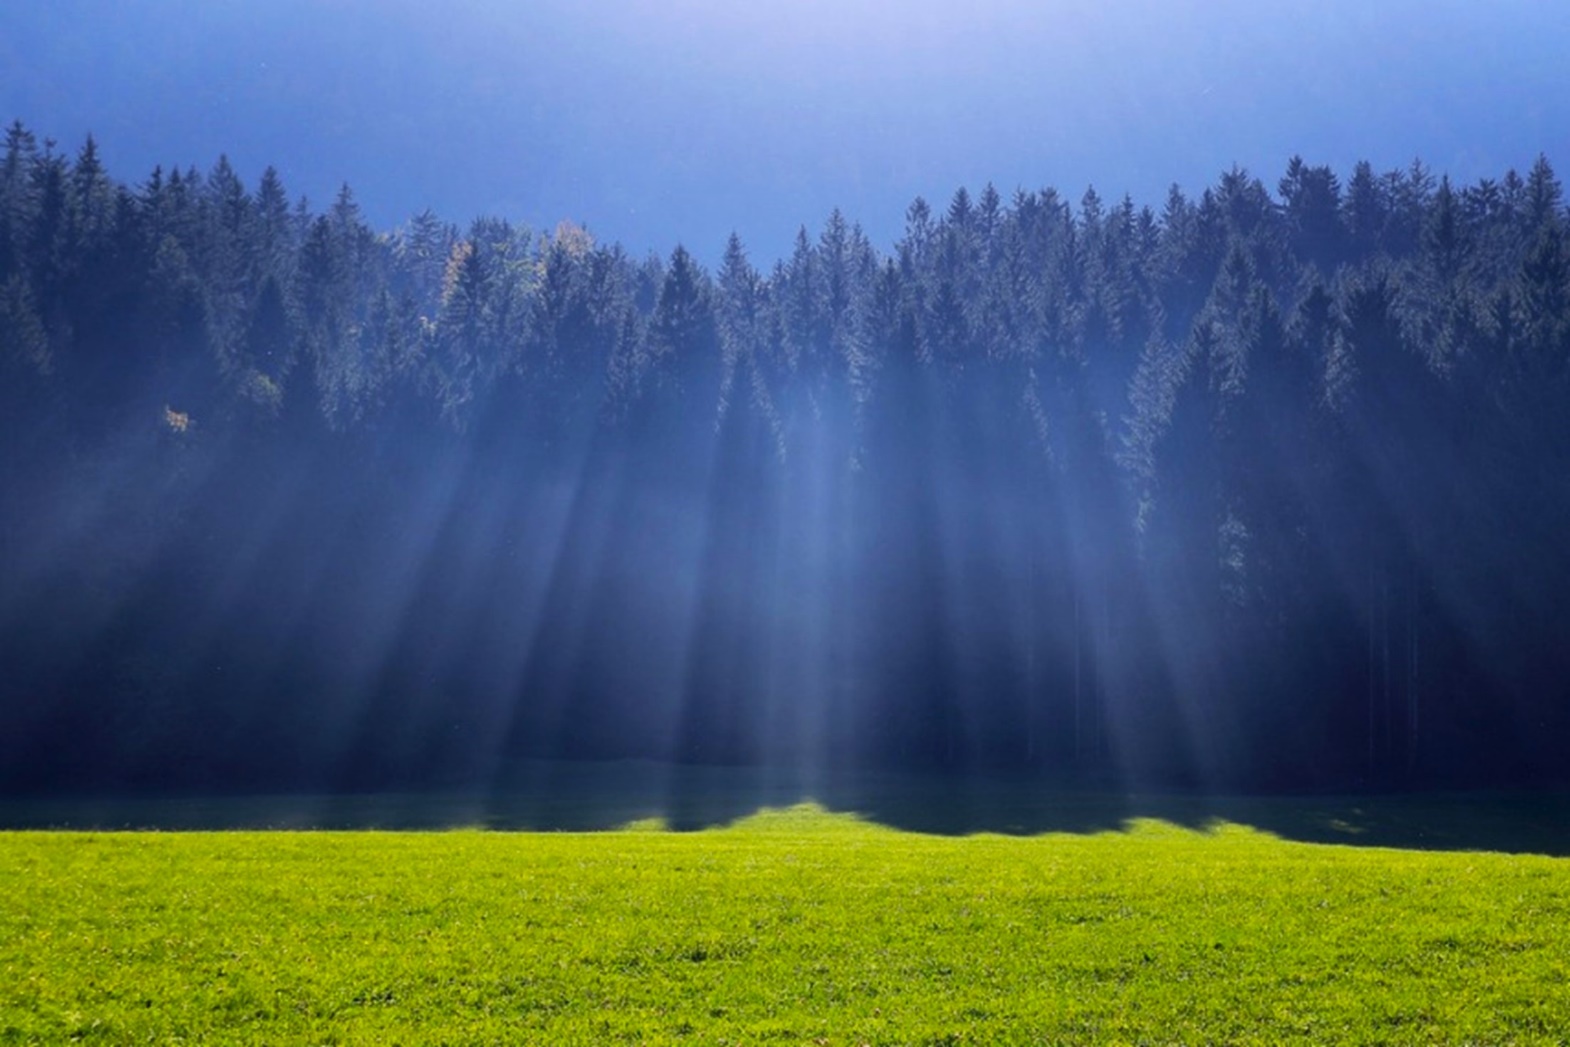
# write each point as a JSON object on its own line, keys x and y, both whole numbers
{"x": 792, "y": 925}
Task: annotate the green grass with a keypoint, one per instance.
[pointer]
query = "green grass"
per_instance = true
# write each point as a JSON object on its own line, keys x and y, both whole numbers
{"x": 791, "y": 926}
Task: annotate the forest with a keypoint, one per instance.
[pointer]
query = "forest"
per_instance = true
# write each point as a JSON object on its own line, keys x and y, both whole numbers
{"x": 1254, "y": 489}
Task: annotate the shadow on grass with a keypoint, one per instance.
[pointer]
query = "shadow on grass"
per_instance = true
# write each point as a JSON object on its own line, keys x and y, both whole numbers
{"x": 589, "y": 796}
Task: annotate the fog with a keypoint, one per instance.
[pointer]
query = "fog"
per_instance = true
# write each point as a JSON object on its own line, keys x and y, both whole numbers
{"x": 1259, "y": 493}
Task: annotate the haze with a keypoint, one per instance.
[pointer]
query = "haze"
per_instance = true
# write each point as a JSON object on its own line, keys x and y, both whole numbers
{"x": 679, "y": 122}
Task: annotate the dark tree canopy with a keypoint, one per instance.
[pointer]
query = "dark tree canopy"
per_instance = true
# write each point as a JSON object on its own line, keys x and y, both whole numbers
{"x": 1254, "y": 490}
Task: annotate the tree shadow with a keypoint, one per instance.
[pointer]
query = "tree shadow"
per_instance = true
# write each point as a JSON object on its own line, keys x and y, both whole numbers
{"x": 588, "y": 797}
{"x": 1510, "y": 822}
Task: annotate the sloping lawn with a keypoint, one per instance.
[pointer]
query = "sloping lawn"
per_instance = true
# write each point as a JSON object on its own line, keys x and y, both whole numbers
{"x": 792, "y": 926}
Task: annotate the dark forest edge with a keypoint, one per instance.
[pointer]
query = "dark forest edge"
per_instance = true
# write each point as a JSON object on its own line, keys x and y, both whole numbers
{"x": 1257, "y": 491}
{"x": 591, "y": 796}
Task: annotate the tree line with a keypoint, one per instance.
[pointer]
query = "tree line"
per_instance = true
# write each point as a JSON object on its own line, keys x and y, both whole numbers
{"x": 1259, "y": 488}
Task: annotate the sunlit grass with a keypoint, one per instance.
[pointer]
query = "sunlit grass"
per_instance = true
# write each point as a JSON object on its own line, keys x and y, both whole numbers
{"x": 792, "y": 926}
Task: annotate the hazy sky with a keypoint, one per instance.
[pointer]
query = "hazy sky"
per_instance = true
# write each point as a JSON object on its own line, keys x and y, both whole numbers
{"x": 678, "y": 121}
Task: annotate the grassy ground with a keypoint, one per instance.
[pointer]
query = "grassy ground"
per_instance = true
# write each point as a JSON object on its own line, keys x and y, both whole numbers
{"x": 792, "y": 926}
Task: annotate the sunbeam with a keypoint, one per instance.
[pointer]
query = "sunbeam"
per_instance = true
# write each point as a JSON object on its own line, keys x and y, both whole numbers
{"x": 1076, "y": 494}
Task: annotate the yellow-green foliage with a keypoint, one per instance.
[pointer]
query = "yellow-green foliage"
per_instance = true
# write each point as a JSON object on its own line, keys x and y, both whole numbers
{"x": 791, "y": 927}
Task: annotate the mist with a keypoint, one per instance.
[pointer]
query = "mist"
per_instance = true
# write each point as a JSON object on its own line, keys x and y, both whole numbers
{"x": 1258, "y": 489}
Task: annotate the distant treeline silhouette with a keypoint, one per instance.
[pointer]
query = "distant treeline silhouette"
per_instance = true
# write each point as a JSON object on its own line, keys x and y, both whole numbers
{"x": 1257, "y": 489}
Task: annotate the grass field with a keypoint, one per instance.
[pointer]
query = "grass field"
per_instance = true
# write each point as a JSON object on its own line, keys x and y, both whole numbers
{"x": 791, "y": 926}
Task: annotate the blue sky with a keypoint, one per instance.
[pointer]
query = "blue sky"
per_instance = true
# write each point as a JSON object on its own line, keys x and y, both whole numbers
{"x": 678, "y": 121}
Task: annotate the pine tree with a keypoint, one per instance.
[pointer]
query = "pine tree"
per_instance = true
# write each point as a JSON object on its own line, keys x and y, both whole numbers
{"x": 1311, "y": 197}
{"x": 18, "y": 197}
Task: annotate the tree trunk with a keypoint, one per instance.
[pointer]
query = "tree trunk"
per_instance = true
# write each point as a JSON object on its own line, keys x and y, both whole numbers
{"x": 1079, "y": 711}
{"x": 1384, "y": 661}
{"x": 1032, "y": 700}
{"x": 1413, "y": 697}
{"x": 1369, "y": 610}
